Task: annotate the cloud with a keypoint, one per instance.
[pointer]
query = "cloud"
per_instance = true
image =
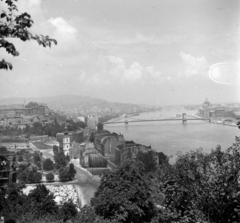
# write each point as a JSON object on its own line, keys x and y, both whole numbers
{"x": 119, "y": 62}
{"x": 115, "y": 69}
{"x": 63, "y": 31}
{"x": 135, "y": 72}
{"x": 193, "y": 65}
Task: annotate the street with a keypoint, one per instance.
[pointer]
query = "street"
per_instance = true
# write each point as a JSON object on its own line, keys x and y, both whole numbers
{"x": 86, "y": 184}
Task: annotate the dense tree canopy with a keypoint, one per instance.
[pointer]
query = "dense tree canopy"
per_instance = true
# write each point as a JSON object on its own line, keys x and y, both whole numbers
{"x": 124, "y": 195}
{"x": 67, "y": 173}
{"x": 13, "y": 25}
{"x": 48, "y": 164}
{"x": 202, "y": 186}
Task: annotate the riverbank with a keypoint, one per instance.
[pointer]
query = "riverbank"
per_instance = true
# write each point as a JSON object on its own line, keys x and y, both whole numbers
{"x": 219, "y": 121}
{"x": 170, "y": 137}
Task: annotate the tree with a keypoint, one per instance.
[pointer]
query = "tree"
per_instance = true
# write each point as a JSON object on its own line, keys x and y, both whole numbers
{"x": 14, "y": 25}
{"x": 3, "y": 150}
{"x": 148, "y": 159}
{"x": 50, "y": 177}
{"x": 34, "y": 177}
{"x": 87, "y": 214}
{"x": 42, "y": 201}
{"x": 55, "y": 149}
{"x": 162, "y": 158}
{"x": 64, "y": 175}
{"x": 68, "y": 210}
{"x": 72, "y": 172}
{"x": 12, "y": 201}
{"x": 60, "y": 160}
{"x": 20, "y": 158}
{"x": 67, "y": 173}
{"x": 39, "y": 165}
{"x": 22, "y": 177}
{"x": 36, "y": 157}
{"x": 48, "y": 164}
{"x": 203, "y": 186}
{"x": 130, "y": 199}
{"x": 67, "y": 157}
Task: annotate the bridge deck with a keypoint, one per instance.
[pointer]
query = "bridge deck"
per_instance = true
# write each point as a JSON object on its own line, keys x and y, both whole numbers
{"x": 156, "y": 120}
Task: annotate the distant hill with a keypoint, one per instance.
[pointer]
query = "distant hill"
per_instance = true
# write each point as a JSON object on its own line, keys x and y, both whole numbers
{"x": 50, "y": 99}
{"x": 62, "y": 99}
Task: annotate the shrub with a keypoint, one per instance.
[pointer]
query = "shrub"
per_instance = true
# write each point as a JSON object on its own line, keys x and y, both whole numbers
{"x": 67, "y": 173}
{"x": 50, "y": 177}
{"x": 38, "y": 177}
{"x": 68, "y": 210}
{"x": 42, "y": 201}
{"x": 22, "y": 177}
{"x": 34, "y": 177}
{"x": 39, "y": 164}
{"x": 71, "y": 170}
{"x": 63, "y": 174}
{"x": 20, "y": 159}
{"x": 36, "y": 157}
{"x": 48, "y": 164}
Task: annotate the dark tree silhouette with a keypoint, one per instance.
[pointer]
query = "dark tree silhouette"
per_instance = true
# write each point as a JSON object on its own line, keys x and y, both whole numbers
{"x": 13, "y": 25}
{"x": 130, "y": 197}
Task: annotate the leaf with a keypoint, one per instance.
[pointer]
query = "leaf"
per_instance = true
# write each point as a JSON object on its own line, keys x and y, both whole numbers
{"x": 3, "y": 15}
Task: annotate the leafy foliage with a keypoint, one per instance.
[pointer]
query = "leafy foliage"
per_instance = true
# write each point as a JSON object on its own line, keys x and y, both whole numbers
{"x": 87, "y": 214}
{"x": 149, "y": 160}
{"x": 130, "y": 199}
{"x": 50, "y": 177}
{"x": 27, "y": 173}
{"x": 60, "y": 160}
{"x": 17, "y": 26}
{"x": 42, "y": 201}
{"x": 67, "y": 173}
{"x": 4, "y": 150}
{"x": 68, "y": 210}
{"x": 203, "y": 186}
{"x": 48, "y": 164}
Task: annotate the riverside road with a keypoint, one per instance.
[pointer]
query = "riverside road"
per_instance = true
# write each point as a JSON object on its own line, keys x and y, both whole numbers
{"x": 86, "y": 184}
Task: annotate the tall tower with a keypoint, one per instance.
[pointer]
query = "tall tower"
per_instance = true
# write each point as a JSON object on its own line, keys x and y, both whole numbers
{"x": 66, "y": 142}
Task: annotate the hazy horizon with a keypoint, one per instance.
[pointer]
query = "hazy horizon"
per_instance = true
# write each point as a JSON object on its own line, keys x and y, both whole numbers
{"x": 24, "y": 100}
{"x": 155, "y": 52}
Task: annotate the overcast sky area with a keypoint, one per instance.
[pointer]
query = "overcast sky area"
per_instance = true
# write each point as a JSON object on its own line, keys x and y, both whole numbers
{"x": 159, "y": 52}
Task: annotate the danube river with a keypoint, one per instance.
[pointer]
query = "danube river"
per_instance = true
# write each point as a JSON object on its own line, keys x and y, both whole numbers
{"x": 173, "y": 136}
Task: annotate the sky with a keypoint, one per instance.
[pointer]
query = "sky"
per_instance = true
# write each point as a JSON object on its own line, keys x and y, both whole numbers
{"x": 158, "y": 52}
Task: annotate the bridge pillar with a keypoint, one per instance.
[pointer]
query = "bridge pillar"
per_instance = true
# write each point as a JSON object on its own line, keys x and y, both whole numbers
{"x": 183, "y": 118}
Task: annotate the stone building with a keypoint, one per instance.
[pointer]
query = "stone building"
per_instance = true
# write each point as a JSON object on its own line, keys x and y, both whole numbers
{"x": 130, "y": 150}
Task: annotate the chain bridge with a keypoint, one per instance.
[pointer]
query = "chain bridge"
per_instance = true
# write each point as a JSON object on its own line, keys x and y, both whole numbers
{"x": 180, "y": 117}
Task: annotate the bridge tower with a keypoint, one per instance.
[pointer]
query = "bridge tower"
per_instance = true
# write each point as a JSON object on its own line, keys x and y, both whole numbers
{"x": 183, "y": 118}
{"x": 126, "y": 120}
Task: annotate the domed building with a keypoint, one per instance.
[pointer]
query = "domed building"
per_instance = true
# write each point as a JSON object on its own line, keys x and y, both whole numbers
{"x": 206, "y": 104}
{"x": 206, "y": 110}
